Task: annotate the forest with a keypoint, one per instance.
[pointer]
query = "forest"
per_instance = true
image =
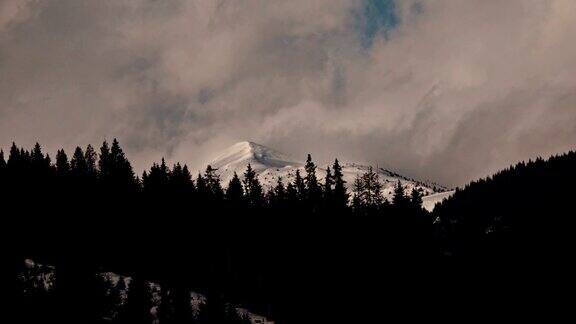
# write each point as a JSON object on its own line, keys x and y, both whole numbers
{"x": 90, "y": 241}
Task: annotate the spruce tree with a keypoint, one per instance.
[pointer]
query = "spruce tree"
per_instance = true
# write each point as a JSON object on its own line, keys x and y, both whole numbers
{"x": 313, "y": 191}
{"x": 291, "y": 195}
{"x": 38, "y": 161}
{"x": 340, "y": 194}
{"x": 14, "y": 163}
{"x": 180, "y": 181}
{"x": 157, "y": 180}
{"x": 213, "y": 183}
{"x": 62, "y": 165}
{"x": 328, "y": 190}
{"x": 416, "y": 199}
{"x": 357, "y": 190}
{"x": 91, "y": 157}
{"x": 104, "y": 162}
{"x": 372, "y": 190}
{"x": 399, "y": 200}
{"x": 121, "y": 172}
{"x": 253, "y": 188}
{"x": 300, "y": 186}
{"x": 78, "y": 166}
{"x": 280, "y": 194}
{"x": 235, "y": 192}
{"x": 201, "y": 187}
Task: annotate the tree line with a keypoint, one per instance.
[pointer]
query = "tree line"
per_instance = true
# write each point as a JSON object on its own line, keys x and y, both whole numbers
{"x": 110, "y": 172}
{"x": 292, "y": 252}
{"x": 103, "y": 211}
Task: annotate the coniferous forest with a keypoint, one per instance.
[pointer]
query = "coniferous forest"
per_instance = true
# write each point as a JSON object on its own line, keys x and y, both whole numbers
{"x": 86, "y": 240}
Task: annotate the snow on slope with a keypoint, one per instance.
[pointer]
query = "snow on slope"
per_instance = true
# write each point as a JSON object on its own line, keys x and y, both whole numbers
{"x": 428, "y": 202}
{"x": 270, "y": 164}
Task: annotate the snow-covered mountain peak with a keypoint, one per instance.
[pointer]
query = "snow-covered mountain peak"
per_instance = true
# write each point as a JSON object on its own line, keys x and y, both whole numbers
{"x": 259, "y": 156}
{"x": 270, "y": 165}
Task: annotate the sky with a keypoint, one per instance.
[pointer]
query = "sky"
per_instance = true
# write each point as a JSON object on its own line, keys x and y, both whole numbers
{"x": 445, "y": 90}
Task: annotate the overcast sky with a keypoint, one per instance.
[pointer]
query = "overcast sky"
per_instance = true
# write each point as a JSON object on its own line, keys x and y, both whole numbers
{"x": 447, "y": 90}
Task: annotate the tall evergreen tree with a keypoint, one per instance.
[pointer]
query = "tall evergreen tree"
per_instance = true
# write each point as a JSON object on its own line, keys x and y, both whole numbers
{"x": 235, "y": 192}
{"x": 328, "y": 187}
{"x": 156, "y": 181}
{"x": 357, "y": 190}
{"x": 202, "y": 187}
{"x": 340, "y": 194}
{"x": 78, "y": 166}
{"x": 121, "y": 172}
{"x": 416, "y": 199}
{"x": 280, "y": 194}
{"x": 213, "y": 183}
{"x": 180, "y": 181}
{"x": 62, "y": 165}
{"x": 291, "y": 195}
{"x": 371, "y": 190}
{"x": 313, "y": 190}
{"x": 104, "y": 164}
{"x": 252, "y": 188}
{"x": 300, "y": 186}
{"x": 399, "y": 199}
{"x": 91, "y": 157}
{"x": 38, "y": 161}
{"x": 14, "y": 159}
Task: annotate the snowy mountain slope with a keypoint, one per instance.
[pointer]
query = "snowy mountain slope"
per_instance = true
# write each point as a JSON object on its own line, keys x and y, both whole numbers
{"x": 270, "y": 164}
{"x": 428, "y": 202}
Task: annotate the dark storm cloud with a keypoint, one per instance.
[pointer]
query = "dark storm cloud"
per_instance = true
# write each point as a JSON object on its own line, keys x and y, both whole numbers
{"x": 450, "y": 91}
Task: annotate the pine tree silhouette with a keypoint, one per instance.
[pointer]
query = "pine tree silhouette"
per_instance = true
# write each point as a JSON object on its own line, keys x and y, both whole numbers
{"x": 62, "y": 165}
{"x": 78, "y": 165}
{"x": 235, "y": 192}
{"x": 300, "y": 186}
{"x": 252, "y": 188}
{"x": 104, "y": 163}
{"x": 416, "y": 199}
{"x": 213, "y": 184}
{"x": 91, "y": 157}
{"x": 371, "y": 194}
{"x": 328, "y": 185}
{"x": 357, "y": 192}
{"x": 313, "y": 190}
{"x": 399, "y": 200}
{"x": 280, "y": 195}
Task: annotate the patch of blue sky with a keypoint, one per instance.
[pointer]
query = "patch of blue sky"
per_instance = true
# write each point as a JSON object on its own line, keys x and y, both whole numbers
{"x": 375, "y": 18}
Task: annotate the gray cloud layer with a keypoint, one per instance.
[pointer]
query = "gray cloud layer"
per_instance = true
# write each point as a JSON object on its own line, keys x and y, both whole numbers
{"x": 457, "y": 90}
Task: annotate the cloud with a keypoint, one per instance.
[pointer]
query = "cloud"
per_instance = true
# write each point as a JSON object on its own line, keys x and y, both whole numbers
{"x": 449, "y": 90}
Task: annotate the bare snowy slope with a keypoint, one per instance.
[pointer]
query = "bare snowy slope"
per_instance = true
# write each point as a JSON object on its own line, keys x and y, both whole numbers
{"x": 270, "y": 164}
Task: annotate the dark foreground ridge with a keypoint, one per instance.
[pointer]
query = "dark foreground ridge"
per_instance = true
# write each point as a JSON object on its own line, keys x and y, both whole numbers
{"x": 304, "y": 252}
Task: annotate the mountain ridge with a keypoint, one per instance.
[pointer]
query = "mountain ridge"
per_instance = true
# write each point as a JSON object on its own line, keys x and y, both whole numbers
{"x": 270, "y": 165}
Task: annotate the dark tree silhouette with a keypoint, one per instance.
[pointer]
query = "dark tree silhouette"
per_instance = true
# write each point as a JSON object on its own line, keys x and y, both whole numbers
{"x": 272, "y": 256}
{"x": 313, "y": 191}
{"x": 235, "y": 192}
{"x": 62, "y": 164}
{"x": 139, "y": 303}
{"x": 340, "y": 194}
{"x": 300, "y": 186}
{"x": 253, "y": 188}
